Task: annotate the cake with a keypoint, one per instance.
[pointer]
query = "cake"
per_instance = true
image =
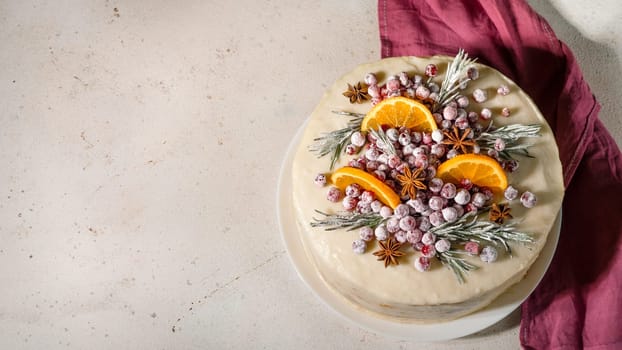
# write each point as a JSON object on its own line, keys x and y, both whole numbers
{"x": 432, "y": 267}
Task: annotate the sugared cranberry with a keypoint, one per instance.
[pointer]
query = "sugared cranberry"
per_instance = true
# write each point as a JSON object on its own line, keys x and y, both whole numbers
{"x": 367, "y": 197}
{"x": 448, "y": 190}
{"x": 385, "y": 212}
{"x": 405, "y": 80}
{"x": 393, "y": 224}
{"x": 349, "y": 203}
{"x": 414, "y": 236}
{"x": 479, "y": 199}
{"x": 506, "y": 112}
{"x": 510, "y": 193}
{"x": 363, "y": 208}
{"x": 462, "y": 101}
{"x": 466, "y": 184}
{"x": 472, "y": 248}
{"x": 357, "y": 139}
{"x": 511, "y": 165}
{"x": 450, "y": 113}
{"x": 333, "y": 194}
{"x": 380, "y": 175}
{"x": 370, "y": 79}
{"x": 499, "y": 145}
{"x": 489, "y": 254}
{"x": 436, "y": 218}
{"x": 320, "y": 180}
{"x": 480, "y": 95}
{"x": 485, "y": 113}
{"x": 435, "y": 185}
{"x": 366, "y": 233}
{"x": 353, "y": 190}
{"x": 528, "y": 199}
{"x": 435, "y": 203}
{"x": 422, "y": 92}
{"x": 428, "y": 238}
{"x": 428, "y": 250}
{"x": 462, "y": 196}
{"x": 351, "y": 150}
{"x": 451, "y": 153}
{"x": 442, "y": 245}
{"x": 473, "y": 73}
{"x": 407, "y": 223}
{"x": 400, "y": 236}
{"x": 372, "y": 153}
{"x": 470, "y": 208}
{"x": 437, "y": 136}
{"x": 450, "y": 214}
{"x": 381, "y": 232}
{"x": 472, "y": 117}
{"x": 462, "y": 122}
{"x": 431, "y": 70}
{"x": 424, "y": 224}
{"x": 359, "y": 246}
{"x": 459, "y": 210}
{"x": 422, "y": 264}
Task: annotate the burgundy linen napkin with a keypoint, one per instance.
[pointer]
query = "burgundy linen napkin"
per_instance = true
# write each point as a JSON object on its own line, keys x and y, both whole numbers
{"x": 578, "y": 304}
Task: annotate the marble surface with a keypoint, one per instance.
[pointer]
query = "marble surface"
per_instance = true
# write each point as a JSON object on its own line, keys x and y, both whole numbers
{"x": 140, "y": 147}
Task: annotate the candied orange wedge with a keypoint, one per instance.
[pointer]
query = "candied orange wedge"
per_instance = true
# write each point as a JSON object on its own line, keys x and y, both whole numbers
{"x": 397, "y": 112}
{"x": 345, "y": 176}
{"x": 482, "y": 170}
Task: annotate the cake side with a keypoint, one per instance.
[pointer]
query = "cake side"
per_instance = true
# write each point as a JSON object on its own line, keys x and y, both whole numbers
{"x": 402, "y": 291}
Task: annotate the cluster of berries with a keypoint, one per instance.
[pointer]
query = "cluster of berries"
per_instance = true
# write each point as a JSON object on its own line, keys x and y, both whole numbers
{"x": 436, "y": 202}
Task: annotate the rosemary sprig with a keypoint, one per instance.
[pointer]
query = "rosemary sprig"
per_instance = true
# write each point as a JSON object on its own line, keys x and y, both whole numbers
{"x": 383, "y": 141}
{"x": 335, "y": 142}
{"x": 451, "y": 83}
{"x": 468, "y": 228}
{"x": 459, "y": 266}
{"x": 510, "y": 134}
{"x": 350, "y": 221}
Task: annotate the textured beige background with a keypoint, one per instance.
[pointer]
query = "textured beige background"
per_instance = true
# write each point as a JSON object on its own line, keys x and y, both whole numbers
{"x": 140, "y": 145}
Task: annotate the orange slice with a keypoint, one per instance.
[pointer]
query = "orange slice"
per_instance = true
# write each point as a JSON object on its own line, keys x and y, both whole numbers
{"x": 348, "y": 175}
{"x": 397, "y": 112}
{"x": 482, "y": 170}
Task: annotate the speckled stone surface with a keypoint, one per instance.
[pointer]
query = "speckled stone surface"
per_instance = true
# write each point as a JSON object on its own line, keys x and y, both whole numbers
{"x": 140, "y": 147}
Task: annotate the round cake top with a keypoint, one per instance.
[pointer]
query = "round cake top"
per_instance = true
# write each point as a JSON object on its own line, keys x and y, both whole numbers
{"x": 346, "y": 261}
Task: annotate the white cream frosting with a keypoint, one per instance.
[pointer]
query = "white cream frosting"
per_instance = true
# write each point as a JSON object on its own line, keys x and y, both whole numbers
{"x": 402, "y": 292}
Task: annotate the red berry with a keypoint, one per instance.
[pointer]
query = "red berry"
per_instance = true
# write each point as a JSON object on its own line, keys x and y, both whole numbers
{"x": 466, "y": 184}
{"x": 355, "y": 163}
{"x": 428, "y": 250}
{"x": 349, "y": 203}
{"x": 422, "y": 264}
{"x": 470, "y": 208}
{"x": 472, "y": 248}
{"x": 333, "y": 195}
{"x": 431, "y": 70}
{"x": 486, "y": 192}
{"x": 353, "y": 190}
{"x": 367, "y": 197}
{"x": 505, "y": 112}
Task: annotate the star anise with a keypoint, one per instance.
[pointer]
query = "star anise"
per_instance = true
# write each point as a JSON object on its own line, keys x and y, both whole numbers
{"x": 357, "y": 93}
{"x": 411, "y": 181}
{"x": 499, "y": 212}
{"x": 458, "y": 141}
{"x": 389, "y": 252}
